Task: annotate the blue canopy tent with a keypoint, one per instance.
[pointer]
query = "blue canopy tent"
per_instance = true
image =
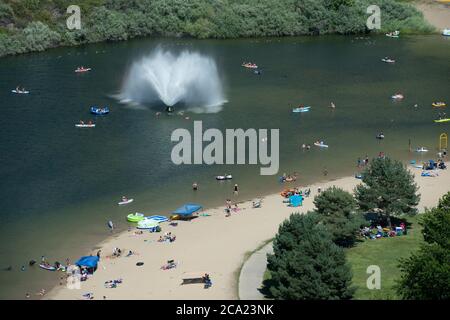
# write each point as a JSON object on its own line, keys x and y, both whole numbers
{"x": 88, "y": 262}
{"x": 296, "y": 200}
{"x": 187, "y": 209}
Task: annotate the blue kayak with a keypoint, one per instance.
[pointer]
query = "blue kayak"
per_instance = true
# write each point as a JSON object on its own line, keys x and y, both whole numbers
{"x": 99, "y": 111}
{"x": 301, "y": 109}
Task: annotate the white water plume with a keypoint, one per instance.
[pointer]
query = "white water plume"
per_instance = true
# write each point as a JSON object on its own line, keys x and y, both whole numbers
{"x": 188, "y": 78}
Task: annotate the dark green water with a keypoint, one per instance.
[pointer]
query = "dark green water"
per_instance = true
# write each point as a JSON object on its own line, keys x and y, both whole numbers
{"x": 60, "y": 185}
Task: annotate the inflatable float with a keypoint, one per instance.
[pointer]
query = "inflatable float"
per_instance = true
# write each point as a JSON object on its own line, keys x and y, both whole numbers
{"x": 47, "y": 267}
{"x": 123, "y": 202}
{"x": 380, "y": 136}
{"x": 85, "y": 125}
{"x": 147, "y": 224}
{"x": 158, "y": 218}
{"x": 422, "y": 149}
{"x": 320, "y": 144}
{"x": 135, "y": 217}
{"x": 387, "y": 60}
{"x": 225, "y": 177}
{"x": 301, "y": 109}
{"x": 249, "y": 65}
{"x": 20, "y": 92}
{"x": 442, "y": 120}
{"x": 394, "y": 34}
{"x": 81, "y": 70}
{"x": 397, "y": 96}
{"x": 99, "y": 111}
{"x": 287, "y": 192}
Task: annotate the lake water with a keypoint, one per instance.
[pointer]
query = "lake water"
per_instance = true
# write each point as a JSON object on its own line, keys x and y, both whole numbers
{"x": 60, "y": 184}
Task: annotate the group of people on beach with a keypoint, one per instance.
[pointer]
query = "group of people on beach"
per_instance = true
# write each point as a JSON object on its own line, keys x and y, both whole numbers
{"x": 167, "y": 237}
{"x": 377, "y": 232}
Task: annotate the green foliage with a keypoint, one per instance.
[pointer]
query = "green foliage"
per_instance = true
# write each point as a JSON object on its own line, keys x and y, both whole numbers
{"x": 338, "y": 212}
{"x": 38, "y": 37}
{"x": 444, "y": 202}
{"x": 436, "y": 226}
{"x": 306, "y": 264}
{"x": 114, "y": 20}
{"x": 388, "y": 188}
{"x": 426, "y": 274}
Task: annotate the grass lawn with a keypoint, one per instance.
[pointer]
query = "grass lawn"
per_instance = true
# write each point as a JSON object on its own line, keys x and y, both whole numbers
{"x": 384, "y": 253}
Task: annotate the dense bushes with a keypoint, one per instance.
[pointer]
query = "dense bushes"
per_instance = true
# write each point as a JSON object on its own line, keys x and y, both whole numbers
{"x": 122, "y": 19}
{"x": 426, "y": 274}
{"x": 338, "y": 213}
{"x": 306, "y": 264}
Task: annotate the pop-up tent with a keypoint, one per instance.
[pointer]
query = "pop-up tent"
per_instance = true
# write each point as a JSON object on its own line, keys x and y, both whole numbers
{"x": 296, "y": 200}
{"x": 187, "y": 209}
{"x": 88, "y": 262}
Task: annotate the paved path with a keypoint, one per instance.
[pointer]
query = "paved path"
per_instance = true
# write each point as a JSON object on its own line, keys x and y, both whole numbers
{"x": 252, "y": 273}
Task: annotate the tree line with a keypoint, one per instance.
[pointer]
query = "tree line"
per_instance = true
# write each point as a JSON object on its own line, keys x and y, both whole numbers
{"x": 309, "y": 261}
{"x": 35, "y": 25}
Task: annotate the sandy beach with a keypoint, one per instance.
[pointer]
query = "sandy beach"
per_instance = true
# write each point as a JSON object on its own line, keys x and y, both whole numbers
{"x": 212, "y": 244}
{"x": 436, "y": 13}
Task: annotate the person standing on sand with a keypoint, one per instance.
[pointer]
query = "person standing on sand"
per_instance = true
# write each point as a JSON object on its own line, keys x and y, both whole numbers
{"x": 236, "y": 189}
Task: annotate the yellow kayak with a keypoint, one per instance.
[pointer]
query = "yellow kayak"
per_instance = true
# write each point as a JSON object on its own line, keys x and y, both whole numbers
{"x": 438, "y": 104}
{"x": 442, "y": 120}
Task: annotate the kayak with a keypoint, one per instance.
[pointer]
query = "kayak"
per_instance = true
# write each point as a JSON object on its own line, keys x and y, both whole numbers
{"x": 438, "y": 104}
{"x": 20, "y": 92}
{"x": 321, "y": 145}
{"x": 397, "y": 96}
{"x": 301, "y": 109}
{"x": 446, "y": 32}
{"x": 99, "y": 111}
{"x": 47, "y": 267}
{"x": 225, "y": 177}
{"x": 83, "y": 70}
{"x": 125, "y": 202}
{"x": 388, "y": 60}
{"x": 442, "y": 120}
{"x": 79, "y": 125}
{"x": 422, "y": 149}
{"x": 394, "y": 34}
{"x": 135, "y": 217}
{"x": 250, "y": 65}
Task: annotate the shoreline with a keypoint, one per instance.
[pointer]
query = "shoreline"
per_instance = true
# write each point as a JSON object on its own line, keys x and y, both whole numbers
{"x": 436, "y": 13}
{"x": 215, "y": 244}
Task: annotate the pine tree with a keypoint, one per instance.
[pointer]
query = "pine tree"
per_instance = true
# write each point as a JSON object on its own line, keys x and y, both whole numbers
{"x": 388, "y": 188}
{"x": 338, "y": 211}
{"x": 426, "y": 274}
{"x": 306, "y": 264}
